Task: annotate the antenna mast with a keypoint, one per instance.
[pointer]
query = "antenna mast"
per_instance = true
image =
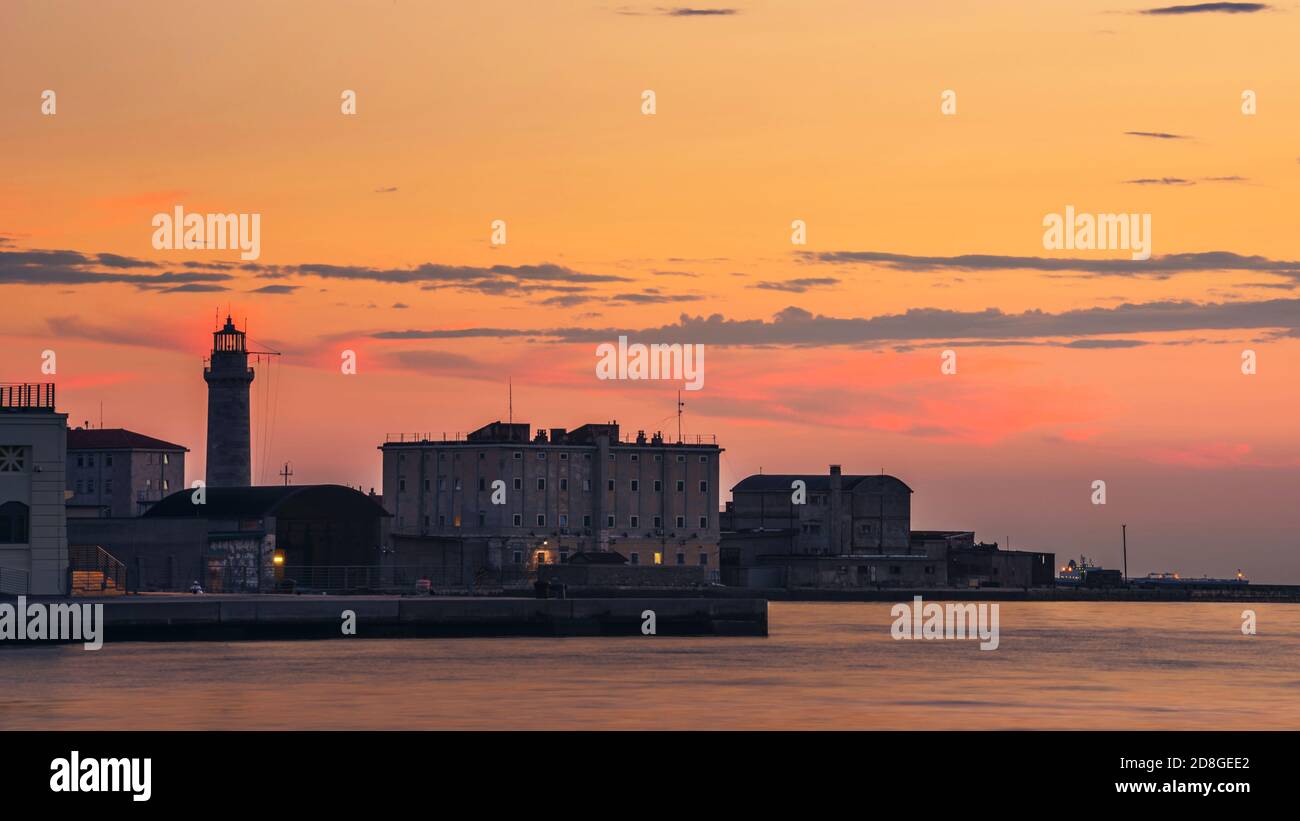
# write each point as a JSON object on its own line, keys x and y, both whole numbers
{"x": 680, "y": 405}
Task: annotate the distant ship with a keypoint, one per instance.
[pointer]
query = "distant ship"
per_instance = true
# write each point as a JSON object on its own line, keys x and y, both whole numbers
{"x": 1085, "y": 573}
{"x": 1175, "y": 580}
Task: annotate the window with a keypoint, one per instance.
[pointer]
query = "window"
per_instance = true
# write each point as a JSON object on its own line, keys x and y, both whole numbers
{"x": 895, "y": 570}
{"x": 442, "y": 520}
{"x": 167, "y": 485}
{"x": 586, "y": 521}
{"x": 541, "y": 557}
{"x": 586, "y": 485}
{"x": 458, "y": 484}
{"x": 519, "y": 454}
{"x": 13, "y": 459}
{"x": 636, "y": 457}
{"x": 659, "y": 457}
{"x": 704, "y": 460}
{"x": 609, "y": 521}
{"x": 704, "y": 486}
{"x": 564, "y": 554}
{"x": 634, "y": 521}
{"x": 14, "y": 517}
{"x": 681, "y": 458}
{"x": 541, "y": 520}
{"x": 611, "y": 457}
{"x": 586, "y": 457}
{"x": 442, "y": 457}
{"x": 929, "y": 570}
{"x": 659, "y": 522}
{"x": 519, "y": 557}
{"x": 634, "y": 558}
{"x": 442, "y": 482}
{"x": 564, "y": 520}
{"x": 482, "y": 519}
{"x": 426, "y": 484}
{"x": 108, "y": 460}
{"x": 167, "y": 459}
{"x": 90, "y": 461}
{"x": 564, "y": 484}
{"x": 681, "y": 485}
{"x": 108, "y": 487}
{"x": 541, "y": 483}
{"x": 482, "y": 455}
{"x": 518, "y": 520}
{"x": 564, "y": 457}
{"x": 401, "y": 484}
{"x": 611, "y": 484}
{"x": 81, "y": 461}
{"x": 704, "y": 559}
{"x": 681, "y": 558}
{"x": 636, "y": 485}
{"x": 681, "y": 521}
{"x": 659, "y": 486}
{"x": 482, "y": 483}
{"x": 541, "y": 455}
{"x": 519, "y": 483}
{"x": 80, "y": 485}
{"x": 704, "y": 521}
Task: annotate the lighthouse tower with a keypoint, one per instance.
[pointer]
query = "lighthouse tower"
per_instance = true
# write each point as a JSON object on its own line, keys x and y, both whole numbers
{"x": 228, "y": 377}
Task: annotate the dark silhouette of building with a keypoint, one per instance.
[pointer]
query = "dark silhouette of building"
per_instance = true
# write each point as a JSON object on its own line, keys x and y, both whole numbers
{"x": 228, "y": 377}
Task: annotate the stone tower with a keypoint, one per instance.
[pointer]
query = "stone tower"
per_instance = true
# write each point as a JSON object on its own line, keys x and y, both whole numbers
{"x": 228, "y": 377}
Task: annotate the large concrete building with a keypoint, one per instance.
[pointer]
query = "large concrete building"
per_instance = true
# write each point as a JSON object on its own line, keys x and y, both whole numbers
{"x": 229, "y": 460}
{"x": 120, "y": 473}
{"x": 33, "y": 530}
{"x": 561, "y": 491}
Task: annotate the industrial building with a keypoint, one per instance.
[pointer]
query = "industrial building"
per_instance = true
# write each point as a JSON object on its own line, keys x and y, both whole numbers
{"x": 114, "y": 472}
{"x": 854, "y": 531}
{"x": 511, "y": 498}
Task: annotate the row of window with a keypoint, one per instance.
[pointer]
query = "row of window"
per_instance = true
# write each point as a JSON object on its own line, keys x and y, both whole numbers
{"x": 87, "y": 460}
{"x": 564, "y": 456}
{"x": 635, "y": 485}
{"x": 518, "y": 521}
{"x": 633, "y": 557}
{"x": 88, "y": 486}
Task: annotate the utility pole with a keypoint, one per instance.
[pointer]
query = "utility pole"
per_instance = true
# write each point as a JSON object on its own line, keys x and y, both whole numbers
{"x": 1124, "y": 537}
{"x": 286, "y": 473}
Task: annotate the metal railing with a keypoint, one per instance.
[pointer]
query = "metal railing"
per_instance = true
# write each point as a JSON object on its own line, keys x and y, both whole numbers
{"x": 14, "y": 582}
{"x": 27, "y": 395}
{"x": 92, "y": 569}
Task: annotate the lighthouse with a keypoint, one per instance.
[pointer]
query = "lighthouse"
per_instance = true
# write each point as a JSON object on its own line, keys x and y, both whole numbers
{"x": 228, "y": 377}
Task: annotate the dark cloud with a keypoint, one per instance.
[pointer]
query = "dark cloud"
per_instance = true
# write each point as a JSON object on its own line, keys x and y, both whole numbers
{"x": 1208, "y": 8}
{"x": 275, "y": 289}
{"x": 1159, "y": 181}
{"x": 386, "y": 190}
{"x": 796, "y": 327}
{"x": 1158, "y": 135}
{"x": 62, "y": 267}
{"x": 688, "y": 12}
{"x": 1157, "y": 266}
{"x": 797, "y": 286}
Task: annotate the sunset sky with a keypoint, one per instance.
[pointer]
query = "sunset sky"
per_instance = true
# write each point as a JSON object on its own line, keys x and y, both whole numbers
{"x": 924, "y": 233}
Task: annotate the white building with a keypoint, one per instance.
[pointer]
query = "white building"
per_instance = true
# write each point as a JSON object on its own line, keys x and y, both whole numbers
{"x": 33, "y": 454}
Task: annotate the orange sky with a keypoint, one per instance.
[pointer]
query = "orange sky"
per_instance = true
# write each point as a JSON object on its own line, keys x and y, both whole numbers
{"x": 827, "y": 112}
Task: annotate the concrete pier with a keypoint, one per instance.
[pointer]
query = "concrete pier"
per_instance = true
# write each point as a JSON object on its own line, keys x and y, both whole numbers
{"x": 236, "y": 618}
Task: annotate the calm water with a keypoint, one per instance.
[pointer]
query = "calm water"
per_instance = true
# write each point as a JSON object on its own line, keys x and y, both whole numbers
{"x": 831, "y": 666}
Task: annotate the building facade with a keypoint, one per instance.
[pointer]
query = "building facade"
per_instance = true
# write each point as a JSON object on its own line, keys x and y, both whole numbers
{"x": 33, "y": 527}
{"x": 537, "y": 498}
{"x": 120, "y": 473}
{"x": 838, "y": 516}
{"x": 229, "y": 459}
